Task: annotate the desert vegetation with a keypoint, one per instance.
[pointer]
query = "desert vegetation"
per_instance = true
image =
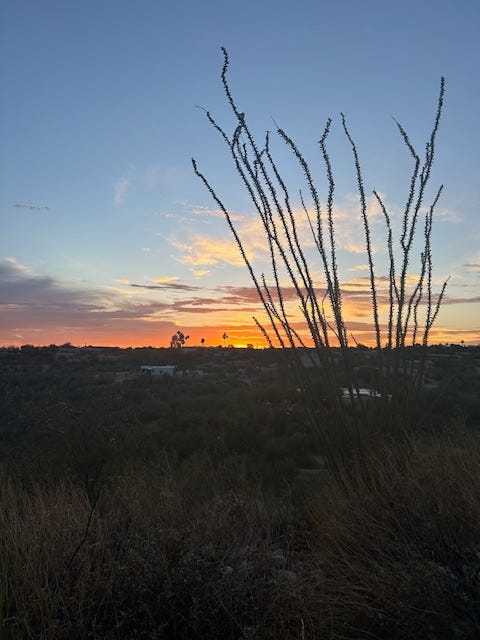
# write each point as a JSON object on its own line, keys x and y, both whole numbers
{"x": 404, "y": 319}
{"x": 255, "y": 493}
{"x": 198, "y": 507}
{"x": 198, "y": 552}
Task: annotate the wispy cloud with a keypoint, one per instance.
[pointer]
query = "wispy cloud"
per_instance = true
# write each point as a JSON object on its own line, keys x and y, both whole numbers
{"x": 209, "y": 212}
{"x": 205, "y": 251}
{"x": 11, "y": 269}
{"x": 173, "y": 286}
{"x": 199, "y": 210}
{"x": 166, "y": 279}
{"x": 473, "y": 266}
{"x": 121, "y": 188}
{"x": 447, "y": 215}
{"x": 31, "y": 207}
{"x": 449, "y": 300}
{"x": 202, "y": 211}
{"x": 359, "y": 267}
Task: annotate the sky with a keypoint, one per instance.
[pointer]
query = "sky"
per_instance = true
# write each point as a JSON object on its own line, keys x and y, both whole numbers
{"x": 107, "y": 235}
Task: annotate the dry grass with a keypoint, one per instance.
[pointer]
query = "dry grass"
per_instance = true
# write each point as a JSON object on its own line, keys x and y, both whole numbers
{"x": 156, "y": 562}
{"x": 196, "y": 552}
{"x": 401, "y": 551}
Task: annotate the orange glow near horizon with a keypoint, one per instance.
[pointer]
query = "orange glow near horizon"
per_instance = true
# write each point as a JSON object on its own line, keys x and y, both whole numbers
{"x": 44, "y": 311}
{"x": 239, "y": 335}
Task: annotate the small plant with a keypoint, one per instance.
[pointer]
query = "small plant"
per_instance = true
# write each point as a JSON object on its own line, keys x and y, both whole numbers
{"x": 343, "y": 421}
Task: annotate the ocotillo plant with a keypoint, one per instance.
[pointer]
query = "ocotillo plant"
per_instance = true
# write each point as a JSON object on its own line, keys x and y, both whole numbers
{"x": 342, "y": 418}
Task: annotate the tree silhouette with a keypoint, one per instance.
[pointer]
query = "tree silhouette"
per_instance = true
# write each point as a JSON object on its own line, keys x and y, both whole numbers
{"x": 178, "y": 340}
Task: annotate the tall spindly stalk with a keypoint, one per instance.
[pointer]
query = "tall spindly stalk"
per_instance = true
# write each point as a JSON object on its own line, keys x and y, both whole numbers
{"x": 343, "y": 421}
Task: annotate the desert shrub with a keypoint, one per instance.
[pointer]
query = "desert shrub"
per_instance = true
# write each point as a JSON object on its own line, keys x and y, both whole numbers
{"x": 292, "y": 283}
{"x": 400, "y": 551}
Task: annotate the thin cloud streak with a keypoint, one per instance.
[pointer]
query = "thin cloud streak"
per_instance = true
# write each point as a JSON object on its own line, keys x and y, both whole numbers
{"x": 31, "y": 207}
{"x": 163, "y": 286}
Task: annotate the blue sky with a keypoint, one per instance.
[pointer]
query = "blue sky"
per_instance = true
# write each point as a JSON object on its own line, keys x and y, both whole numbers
{"x": 99, "y": 121}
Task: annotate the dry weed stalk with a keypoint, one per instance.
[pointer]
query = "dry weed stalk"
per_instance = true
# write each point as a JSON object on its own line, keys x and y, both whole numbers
{"x": 340, "y": 422}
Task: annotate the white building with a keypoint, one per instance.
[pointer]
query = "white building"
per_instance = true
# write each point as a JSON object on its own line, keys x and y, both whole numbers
{"x": 158, "y": 370}
{"x": 363, "y": 393}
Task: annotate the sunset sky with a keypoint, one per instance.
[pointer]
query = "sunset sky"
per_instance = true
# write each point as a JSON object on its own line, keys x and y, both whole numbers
{"x": 107, "y": 236}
